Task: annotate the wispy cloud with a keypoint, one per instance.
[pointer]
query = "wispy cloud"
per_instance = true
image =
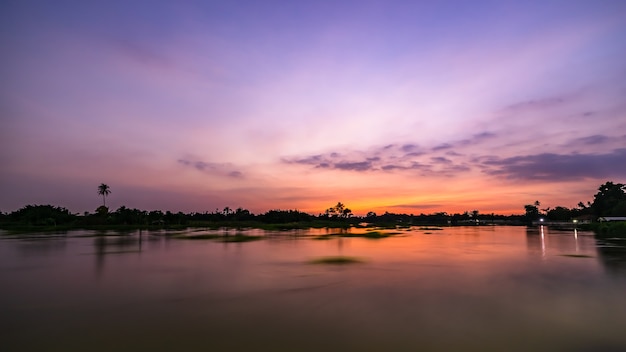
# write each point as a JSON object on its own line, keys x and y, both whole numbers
{"x": 441, "y": 160}
{"x": 475, "y": 139}
{"x": 142, "y": 54}
{"x": 562, "y": 162}
{"x": 597, "y": 140}
{"x": 591, "y": 140}
{"x": 221, "y": 169}
{"x": 355, "y": 166}
{"x": 388, "y": 158}
{"x": 537, "y": 104}
{"x": 558, "y": 167}
{"x": 442, "y": 147}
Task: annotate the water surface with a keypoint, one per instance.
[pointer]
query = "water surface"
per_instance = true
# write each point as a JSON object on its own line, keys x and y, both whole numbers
{"x": 460, "y": 288}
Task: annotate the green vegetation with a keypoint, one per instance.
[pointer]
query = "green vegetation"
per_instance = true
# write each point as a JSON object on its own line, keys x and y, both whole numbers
{"x": 240, "y": 238}
{"x": 200, "y": 237}
{"x": 322, "y": 237}
{"x": 339, "y": 211}
{"x": 576, "y": 255}
{"x": 371, "y": 234}
{"x": 220, "y": 237}
{"x": 336, "y": 260}
{"x": 610, "y": 200}
{"x": 43, "y": 216}
{"x": 104, "y": 190}
{"x": 607, "y": 229}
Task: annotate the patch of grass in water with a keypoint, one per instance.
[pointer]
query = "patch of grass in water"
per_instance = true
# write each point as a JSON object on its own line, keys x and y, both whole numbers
{"x": 576, "y": 255}
{"x": 240, "y": 238}
{"x": 199, "y": 237}
{"x": 323, "y": 237}
{"x": 431, "y": 228}
{"x": 336, "y": 260}
{"x": 371, "y": 234}
{"x": 221, "y": 238}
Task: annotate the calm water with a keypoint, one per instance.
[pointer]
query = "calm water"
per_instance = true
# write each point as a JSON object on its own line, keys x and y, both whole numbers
{"x": 462, "y": 288}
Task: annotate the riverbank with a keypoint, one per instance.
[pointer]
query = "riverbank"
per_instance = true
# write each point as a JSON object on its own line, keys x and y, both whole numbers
{"x": 26, "y": 228}
{"x": 607, "y": 229}
{"x": 601, "y": 229}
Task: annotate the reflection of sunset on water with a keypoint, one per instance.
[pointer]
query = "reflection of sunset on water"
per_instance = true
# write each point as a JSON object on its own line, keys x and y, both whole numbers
{"x": 549, "y": 242}
{"x": 475, "y": 287}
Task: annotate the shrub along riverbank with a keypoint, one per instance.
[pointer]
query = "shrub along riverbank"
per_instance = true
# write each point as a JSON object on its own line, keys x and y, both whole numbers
{"x": 607, "y": 229}
{"x": 609, "y": 201}
{"x": 52, "y": 218}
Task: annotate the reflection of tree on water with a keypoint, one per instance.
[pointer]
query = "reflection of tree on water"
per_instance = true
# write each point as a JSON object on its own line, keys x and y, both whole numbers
{"x": 120, "y": 243}
{"x": 612, "y": 254}
{"x": 544, "y": 241}
{"x": 342, "y": 232}
{"x": 536, "y": 240}
{"x": 36, "y": 247}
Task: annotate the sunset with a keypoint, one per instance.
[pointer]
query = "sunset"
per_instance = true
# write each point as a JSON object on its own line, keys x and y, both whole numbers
{"x": 208, "y": 175}
{"x": 414, "y": 107}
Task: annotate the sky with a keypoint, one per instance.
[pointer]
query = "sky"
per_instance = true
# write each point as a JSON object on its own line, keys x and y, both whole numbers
{"x": 399, "y": 106}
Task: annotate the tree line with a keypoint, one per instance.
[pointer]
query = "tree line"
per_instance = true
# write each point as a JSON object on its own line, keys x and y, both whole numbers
{"x": 610, "y": 200}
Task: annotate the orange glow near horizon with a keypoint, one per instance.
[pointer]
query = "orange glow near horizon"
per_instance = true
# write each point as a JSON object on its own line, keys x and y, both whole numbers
{"x": 290, "y": 108}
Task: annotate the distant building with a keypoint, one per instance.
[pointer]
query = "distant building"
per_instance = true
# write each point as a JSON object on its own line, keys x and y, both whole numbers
{"x": 612, "y": 218}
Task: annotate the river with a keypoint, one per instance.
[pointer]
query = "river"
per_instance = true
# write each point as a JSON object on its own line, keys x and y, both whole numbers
{"x": 484, "y": 288}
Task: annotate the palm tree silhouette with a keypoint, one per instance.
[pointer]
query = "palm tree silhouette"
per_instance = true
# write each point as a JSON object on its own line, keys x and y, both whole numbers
{"x": 104, "y": 191}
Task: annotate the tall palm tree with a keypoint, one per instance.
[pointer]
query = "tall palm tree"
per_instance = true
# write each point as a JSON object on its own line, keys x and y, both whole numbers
{"x": 104, "y": 191}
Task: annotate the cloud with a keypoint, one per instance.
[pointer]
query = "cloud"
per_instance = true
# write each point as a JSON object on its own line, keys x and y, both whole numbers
{"x": 473, "y": 140}
{"x": 446, "y": 162}
{"x": 356, "y": 166}
{"x": 595, "y": 143}
{"x": 388, "y": 158}
{"x": 327, "y": 162}
{"x": 409, "y": 147}
{"x": 220, "y": 169}
{"x": 142, "y": 55}
{"x": 537, "y": 104}
{"x": 413, "y": 154}
{"x": 558, "y": 167}
{"x": 440, "y": 160}
{"x": 483, "y": 135}
{"x": 442, "y": 147}
{"x": 591, "y": 140}
{"x": 412, "y": 166}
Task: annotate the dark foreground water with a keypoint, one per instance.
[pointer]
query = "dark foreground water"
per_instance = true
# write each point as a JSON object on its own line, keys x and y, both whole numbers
{"x": 457, "y": 289}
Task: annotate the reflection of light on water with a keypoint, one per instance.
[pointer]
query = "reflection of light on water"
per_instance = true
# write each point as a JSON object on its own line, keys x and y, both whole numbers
{"x": 576, "y": 239}
{"x": 543, "y": 243}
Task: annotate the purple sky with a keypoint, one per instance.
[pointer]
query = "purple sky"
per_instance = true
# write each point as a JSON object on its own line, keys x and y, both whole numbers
{"x": 407, "y": 106}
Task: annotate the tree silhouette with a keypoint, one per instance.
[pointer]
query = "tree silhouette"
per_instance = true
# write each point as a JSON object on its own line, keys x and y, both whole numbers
{"x": 532, "y": 211}
{"x": 610, "y": 200}
{"x": 339, "y": 210}
{"x": 104, "y": 190}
